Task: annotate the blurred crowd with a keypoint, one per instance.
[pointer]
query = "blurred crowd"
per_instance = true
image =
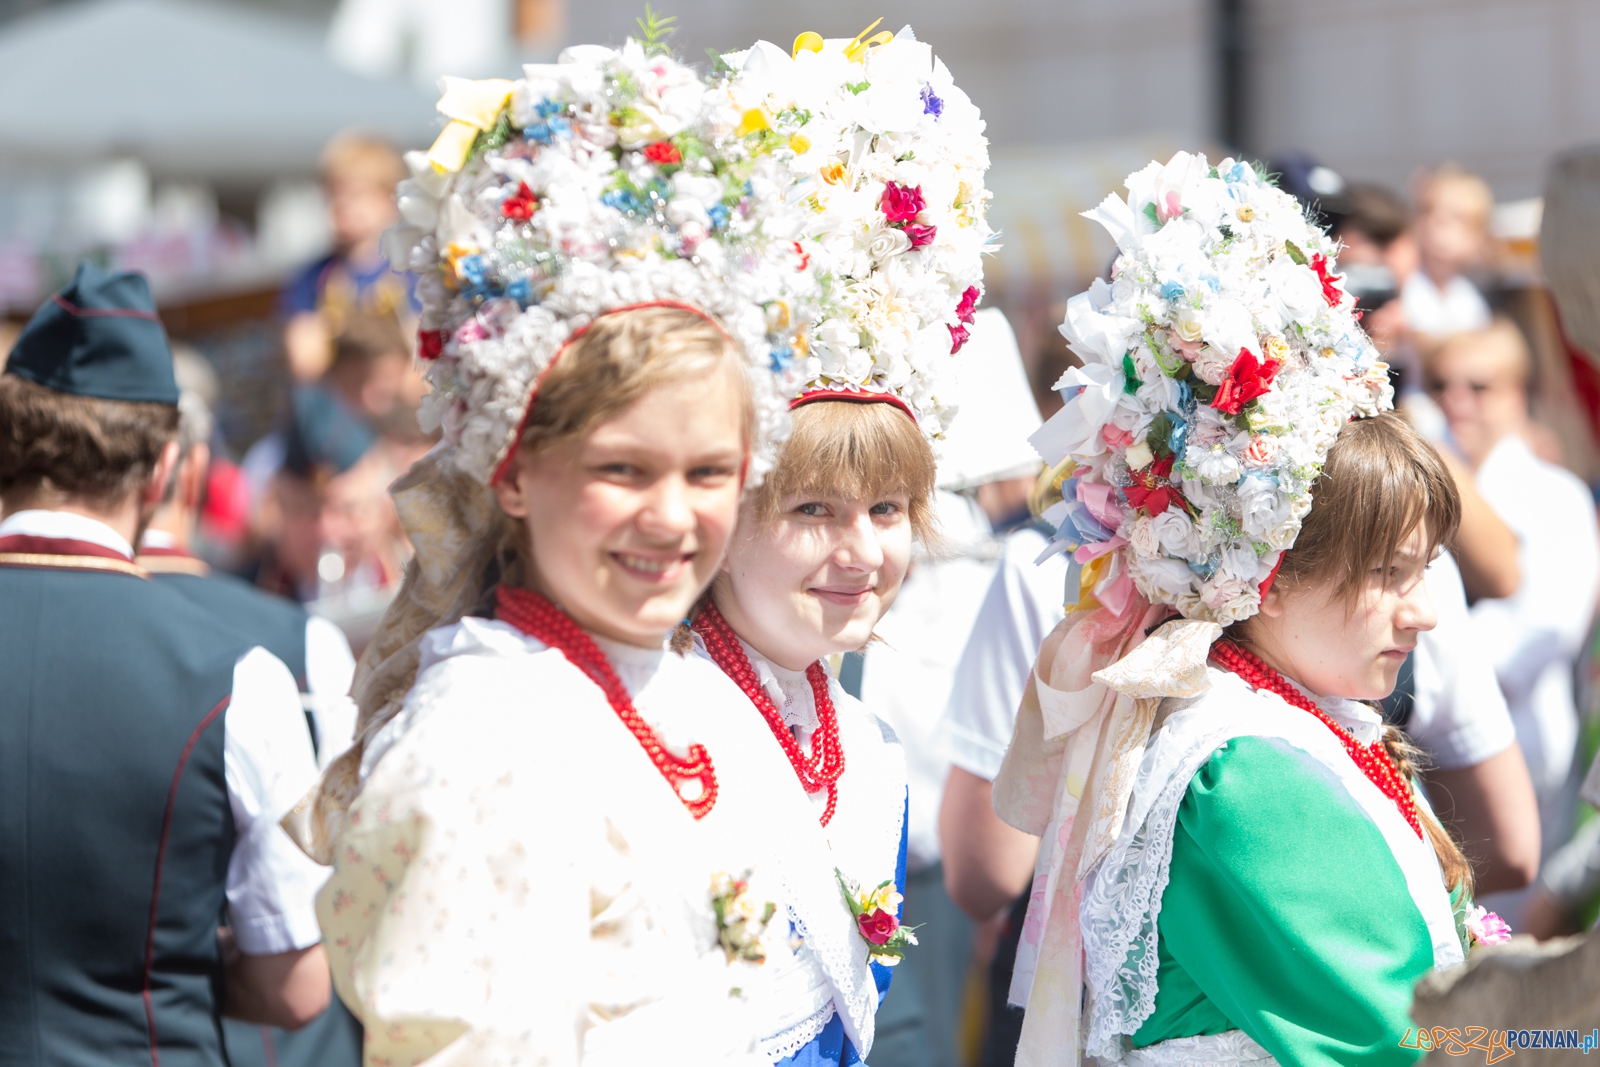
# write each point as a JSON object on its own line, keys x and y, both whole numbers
{"x": 1500, "y": 697}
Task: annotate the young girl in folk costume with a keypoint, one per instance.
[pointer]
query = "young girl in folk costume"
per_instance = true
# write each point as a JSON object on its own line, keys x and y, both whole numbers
{"x": 823, "y": 545}
{"x": 1238, "y": 866}
{"x": 553, "y": 842}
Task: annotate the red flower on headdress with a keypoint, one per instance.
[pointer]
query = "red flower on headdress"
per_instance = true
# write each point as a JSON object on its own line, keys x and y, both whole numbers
{"x": 1150, "y": 489}
{"x": 520, "y": 204}
{"x": 1330, "y": 292}
{"x": 1247, "y": 379}
{"x": 958, "y": 337}
{"x": 968, "y": 305}
{"x": 921, "y": 233}
{"x": 901, "y": 203}
{"x": 877, "y": 925}
{"x": 805, "y": 257}
{"x": 663, "y": 152}
{"x": 429, "y": 344}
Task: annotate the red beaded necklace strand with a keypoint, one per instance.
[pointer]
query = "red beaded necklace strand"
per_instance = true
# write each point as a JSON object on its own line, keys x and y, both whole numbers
{"x": 1374, "y": 760}
{"x": 537, "y": 617}
{"x": 821, "y": 769}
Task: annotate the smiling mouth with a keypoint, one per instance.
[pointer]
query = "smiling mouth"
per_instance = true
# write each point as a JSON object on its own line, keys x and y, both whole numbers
{"x": 843, "y": 597}
{"x": 1395, "y": 653}
{"x": 653, "y": 569}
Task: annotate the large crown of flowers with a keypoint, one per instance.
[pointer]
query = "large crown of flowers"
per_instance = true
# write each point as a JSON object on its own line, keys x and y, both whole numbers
{"x": 1218, "y": 368}
{"x": 608, "y": 179}
{"x": 887, "y": 157}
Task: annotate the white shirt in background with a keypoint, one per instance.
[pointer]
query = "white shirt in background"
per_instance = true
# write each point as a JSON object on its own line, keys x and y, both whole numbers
{"x": 907, "y": 674}
{"x": 1535, "y": 636}
{"x": 1023, "y": 604}
{"x": 1458, "y": 715}
{"x": 1441, "y": 312}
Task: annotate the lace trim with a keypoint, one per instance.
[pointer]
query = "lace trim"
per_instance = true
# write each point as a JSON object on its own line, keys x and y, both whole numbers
{"x": 798, "y": 1036}
{"x": 1121, "y": 906}
{"x": 845, "y": 966}
{"x": 1231, "y": 1048}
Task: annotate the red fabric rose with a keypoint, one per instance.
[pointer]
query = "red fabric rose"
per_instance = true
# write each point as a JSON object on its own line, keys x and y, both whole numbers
{"x": 1247, "y": 379}
{"x": 663, "y": 152}
{"x": 920, "y": 233}
{"x": 1330, "y": 292}
{"x": 901, "y": 203}
{"x": 520, "y": 204}
{"x": 877, "y": 925}
{"x": 429, "y": 343}
{"x": 1150, "y": 489}
{"x": 958, "y": 337}
{"x": 969, "y": 303}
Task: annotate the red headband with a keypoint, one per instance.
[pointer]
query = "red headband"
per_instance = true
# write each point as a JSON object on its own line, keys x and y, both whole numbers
{"x": 814, "y": 395}
{"x": 533, "y": 394}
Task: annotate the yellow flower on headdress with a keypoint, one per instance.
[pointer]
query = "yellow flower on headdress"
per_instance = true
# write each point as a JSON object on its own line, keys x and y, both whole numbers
{"x": 471, "y": 106}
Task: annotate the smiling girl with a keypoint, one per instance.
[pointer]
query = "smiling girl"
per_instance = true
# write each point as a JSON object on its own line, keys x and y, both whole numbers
{"x": 1237, "y": 863}
{"x": 555, "y": 842}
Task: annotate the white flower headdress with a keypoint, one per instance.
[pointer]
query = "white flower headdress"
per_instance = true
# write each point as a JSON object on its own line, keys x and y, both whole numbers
{"x": 886, "y": 155}
{"x": 1218, "y": 368}
{"x": 607, "y": 180}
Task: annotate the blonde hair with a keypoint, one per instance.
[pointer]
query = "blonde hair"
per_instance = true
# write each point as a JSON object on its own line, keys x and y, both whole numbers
{"x": 864, "y": 450}
{"x": 1381, "y": 480}
{"x": 1467, "y": 188}
{"x": 358, "y": 157}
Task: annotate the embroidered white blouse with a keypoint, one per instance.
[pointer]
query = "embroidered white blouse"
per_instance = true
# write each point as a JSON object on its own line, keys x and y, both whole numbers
{"x": 517, "y": 881}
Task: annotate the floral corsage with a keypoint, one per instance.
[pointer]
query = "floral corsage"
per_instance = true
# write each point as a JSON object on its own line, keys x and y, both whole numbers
{"x": 876, "y": 921}
{"x": 1484, "y": 927}
{"x": 741, "y": 917}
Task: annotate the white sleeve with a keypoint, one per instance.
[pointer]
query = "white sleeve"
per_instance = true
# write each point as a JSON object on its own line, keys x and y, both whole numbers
{"x": 1459, "y": 716}
{"x": 1022, "y": 606}
{"x": 268, "y": 765}
{"x": 330, "y": 669}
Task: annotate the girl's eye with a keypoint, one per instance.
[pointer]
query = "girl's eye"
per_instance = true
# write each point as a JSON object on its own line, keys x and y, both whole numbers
{"x": 619, "y": 470}
{"x": 814, "y": 509}
{"x": 885, "y": 507}
{"x": 709, "y": 474}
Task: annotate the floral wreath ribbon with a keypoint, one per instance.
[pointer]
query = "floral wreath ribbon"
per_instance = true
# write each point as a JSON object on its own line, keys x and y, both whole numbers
{"x": 856, "y": 51}
{"x": 1086, "y": 715}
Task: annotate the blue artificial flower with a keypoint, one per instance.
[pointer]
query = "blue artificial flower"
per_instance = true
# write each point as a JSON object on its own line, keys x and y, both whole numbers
{"x": 1206, "y": 568}
{"x": 520, "y": 291}
{"x": 622, "y": 200}
{"x": 548, "y": 108}
{"x": 931, "y": 104}
{"x": 1213, "y": 281}
{"x": 719, "y": 214}
{"x": 1178, "y": 439}
{"x": 1185, "y": 395}
{"x": 780, "y": 358}
{"x": 548, "y": 130}
{"x": 1171, "y": 291}
{"x": 1239, "y": 172}
{"x": 474, "y": 270}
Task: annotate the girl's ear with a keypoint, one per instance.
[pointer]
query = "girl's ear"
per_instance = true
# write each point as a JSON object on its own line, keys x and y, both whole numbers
{"x": 1272, "y": 605}
{"x": 508, "y": 490}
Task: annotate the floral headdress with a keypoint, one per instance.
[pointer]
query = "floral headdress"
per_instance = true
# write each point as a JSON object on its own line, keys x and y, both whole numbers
{"x": 887, "y": 157}
{"x": 1218, "y": 367}
{"x": 606, "y": 180}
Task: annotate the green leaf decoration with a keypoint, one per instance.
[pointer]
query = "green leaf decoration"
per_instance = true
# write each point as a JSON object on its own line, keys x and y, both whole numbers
{"x": 1130, "y": 381}
{"x": 1150, "y": 213}
{"x": 654, "y": 29}
{"x": 859, "y": 87}
{"x": 1294, "y": 252}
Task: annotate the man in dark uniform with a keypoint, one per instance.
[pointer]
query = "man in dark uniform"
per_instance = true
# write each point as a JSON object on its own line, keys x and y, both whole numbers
{"x": 146, "y": 750}
{"x": 313, "y": 649}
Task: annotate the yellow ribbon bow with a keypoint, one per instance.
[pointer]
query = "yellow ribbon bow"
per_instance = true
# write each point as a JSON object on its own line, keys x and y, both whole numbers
{"x": 471, "y": 106}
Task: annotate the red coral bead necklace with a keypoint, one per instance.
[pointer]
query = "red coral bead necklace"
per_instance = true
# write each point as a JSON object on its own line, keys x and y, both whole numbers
{"x": 537, "y": 617}
{"x": 822, "y": 768}
{"x": 1374, "y": 760}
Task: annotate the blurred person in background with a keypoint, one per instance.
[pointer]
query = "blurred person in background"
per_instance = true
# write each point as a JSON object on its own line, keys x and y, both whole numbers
{"x": 165, "y": 743}
{"x": 1451, "y": 228}
{"x": 359, "y": 175}
{"x": 985, "y": 470}
{"x": 313, "y": 649}
{"x": 1534, "y": 636}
